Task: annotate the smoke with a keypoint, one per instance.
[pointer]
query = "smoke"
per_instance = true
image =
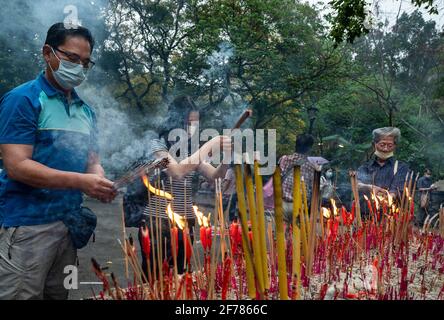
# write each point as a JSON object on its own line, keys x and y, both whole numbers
{"x": 218, "y": 74}
{"x": 122, "y": 139}
{"x": 124, "y": 136}
{"x": 33, "y": 18}
{"x": 219, "y": 62}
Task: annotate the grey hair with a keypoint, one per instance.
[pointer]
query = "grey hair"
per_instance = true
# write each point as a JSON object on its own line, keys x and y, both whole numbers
{"x": 380, "y": 133}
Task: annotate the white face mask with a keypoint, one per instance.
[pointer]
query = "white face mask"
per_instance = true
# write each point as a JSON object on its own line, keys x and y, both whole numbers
{"x": 69, "y": 74}
{"x": 383, "y": 155}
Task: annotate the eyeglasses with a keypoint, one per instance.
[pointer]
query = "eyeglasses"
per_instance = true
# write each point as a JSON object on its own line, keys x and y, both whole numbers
{"x": 385, "y": 145}
{"x": 74, "y": 58}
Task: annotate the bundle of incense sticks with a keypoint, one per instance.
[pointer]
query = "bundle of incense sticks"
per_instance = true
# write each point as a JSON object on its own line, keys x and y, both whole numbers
{"x": 321, "y": 256}
{"x": 139, "y": 169}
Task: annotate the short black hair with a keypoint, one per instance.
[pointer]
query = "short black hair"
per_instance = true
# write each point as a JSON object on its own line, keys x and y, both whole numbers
{"x": 58, "y": 33}
{"x": 304, "y": 143}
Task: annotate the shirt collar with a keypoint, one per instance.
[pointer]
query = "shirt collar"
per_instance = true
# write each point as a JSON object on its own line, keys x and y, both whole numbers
{"x": 388, "y": 161}
{"x": 51, "y": 91}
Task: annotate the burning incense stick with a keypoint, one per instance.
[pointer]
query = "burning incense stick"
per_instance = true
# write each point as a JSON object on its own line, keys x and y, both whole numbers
{"x": 140, "y": 169}
{"x": 354, "y": 185}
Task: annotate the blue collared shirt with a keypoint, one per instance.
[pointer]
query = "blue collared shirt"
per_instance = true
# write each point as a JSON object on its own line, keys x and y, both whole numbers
{"x": 383, "y": 176}
{"x": 62, "y": 135}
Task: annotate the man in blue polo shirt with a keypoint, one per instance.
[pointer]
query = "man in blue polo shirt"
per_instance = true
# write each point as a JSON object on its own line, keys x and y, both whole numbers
{"x": 48, "y": 140}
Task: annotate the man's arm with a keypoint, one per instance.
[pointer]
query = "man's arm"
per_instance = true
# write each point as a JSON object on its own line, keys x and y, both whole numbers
{"x": 17, "y": 159}
{"x": 211, "y": 173}
{"x": 179, "y": 170}
{"x": 94, "y": 165}
{"x": 363, "y": 182}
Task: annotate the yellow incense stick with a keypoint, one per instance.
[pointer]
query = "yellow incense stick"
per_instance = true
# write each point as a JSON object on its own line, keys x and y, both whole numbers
{"x": 306, "y": 218}
{"x": 296, "y": 238}
{"x": 257, "y": 254}
{"x": 245, "y": 242}
{"x": 261, "y": 224}
{"x": 280, "y": 236}
{"x": 297, "y": 262}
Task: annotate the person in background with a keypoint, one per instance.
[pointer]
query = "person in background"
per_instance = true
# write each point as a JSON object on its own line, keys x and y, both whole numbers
{"x": 178, "y": 178}
{"x": 304, "y": 143}
{"x": 424, "y": 185}
{"x": 48, "y": 140}
{"x": 327, "y": 187}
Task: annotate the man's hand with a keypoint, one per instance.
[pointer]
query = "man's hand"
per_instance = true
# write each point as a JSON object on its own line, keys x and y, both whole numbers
{"x": 97, "y": 187}
{"x": 371, "y": 188}
{"x": 378, "y": 190}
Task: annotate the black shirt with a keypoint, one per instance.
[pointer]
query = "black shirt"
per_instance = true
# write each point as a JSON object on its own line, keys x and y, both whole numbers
{"x": 383, "y": 176}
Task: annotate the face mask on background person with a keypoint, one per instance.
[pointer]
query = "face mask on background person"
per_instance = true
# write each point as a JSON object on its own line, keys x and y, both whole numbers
{"x": 193, "y": 127}
{"x": 69, "y": 74}
{"x": 383, "y": 155}
{"x": 329, "y": 174}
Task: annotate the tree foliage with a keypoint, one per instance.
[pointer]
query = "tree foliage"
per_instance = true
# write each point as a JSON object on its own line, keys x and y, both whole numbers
{"x": 274, "y": 56}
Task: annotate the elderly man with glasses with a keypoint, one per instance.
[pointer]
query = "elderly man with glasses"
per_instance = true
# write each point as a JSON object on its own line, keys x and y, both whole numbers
{"x": 48, "y": 140}
{"x": 383, "y": 173}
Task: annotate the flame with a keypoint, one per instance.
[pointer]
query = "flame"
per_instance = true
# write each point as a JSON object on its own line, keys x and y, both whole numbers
{"x": 376, "y": 200}
{"x": 365, "y": 197}
{"x": 157, "y": 192}
{"x": 201, "y": 218}
{"x": 389, "y": 199}
{"x": 175, "y": 218}
{"x": 206, "y": 220}
{"x": 326, "y": 212}
{"x": 199, "y": 215}
{"x": 335, "y": 209}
